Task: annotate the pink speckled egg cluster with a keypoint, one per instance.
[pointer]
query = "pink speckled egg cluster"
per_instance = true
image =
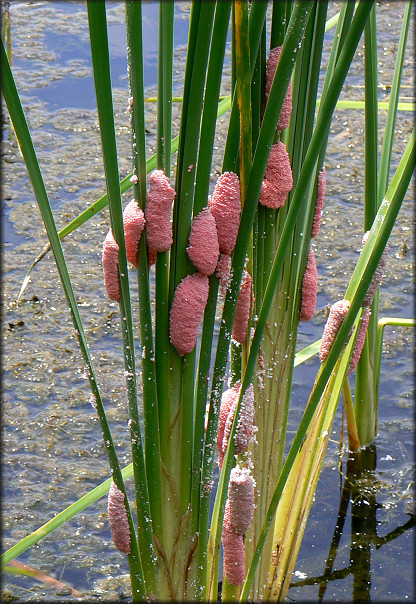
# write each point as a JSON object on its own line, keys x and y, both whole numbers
{"x": 278, "y": 180}
{"x": 378, "y": 274}
{"x": 158, "y": 212}
{"x": 271, "y": 66}
{"x": 156, "y": 219}
{"x": 359, "y": 342}
{"x": 337, "y": 314}
{"x": 211, "y": 241}
{"x": 309, "y": 288}
{"x": 238, "y": 515}
{"x": 187, "y": 310}
{"x": 310, "y": 278}
{"x": 245, "y": 304}
{"x": 245, "y": 426}
{"x": 204, "y": 249}
{"x": 119, "y": 523}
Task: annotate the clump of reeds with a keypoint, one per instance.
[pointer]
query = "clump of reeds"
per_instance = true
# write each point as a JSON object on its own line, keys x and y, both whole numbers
{"x": 252, "y": 239}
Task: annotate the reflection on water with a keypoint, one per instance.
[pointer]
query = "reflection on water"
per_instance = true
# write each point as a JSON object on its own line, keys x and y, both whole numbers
{"x": 358, "y": 489}
{"x": 359, "y": 504}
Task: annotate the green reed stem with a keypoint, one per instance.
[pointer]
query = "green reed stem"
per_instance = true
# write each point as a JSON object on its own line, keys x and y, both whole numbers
{"x": 278, "y": 23}
{"x": 386, "y": 151}
{"x": 356, "y": 291}
{"x": 151, "y": 418}
{"x": 266, "y": 135}
{"x": 21, "y": 129}
{"x": 190, "y": 129}
{"x": 206, "y": 146}
{"x": 190, "y": 57}
{"x": 353, "y": 438}
{"x": 243, "y": 89}
{"x": 364, "y": 374}
{"x": 167, "y": 22}
{"x": 201, "y": 390}
{"x": 102, "y": 78}
{"x": 365, "y": 407}
{"x": 136, "y": 75}
{"x": 371, "y": 122}
{"x": 258, "y": 86}
{"x": 259, "y": 237}
{"x": 229, "y": 593}
{"x": 257, "y": 18}
{"x": 294, "y": 36}
{"x": 211, "y": 97}
{"x": 243, "y": 74}
{"x": 164, "y": 123}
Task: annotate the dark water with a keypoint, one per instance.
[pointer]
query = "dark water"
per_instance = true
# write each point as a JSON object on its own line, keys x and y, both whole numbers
{"x": 52, "y": 444}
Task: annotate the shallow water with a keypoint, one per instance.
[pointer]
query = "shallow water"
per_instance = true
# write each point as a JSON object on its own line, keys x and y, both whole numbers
{"x": 53, "y": 452}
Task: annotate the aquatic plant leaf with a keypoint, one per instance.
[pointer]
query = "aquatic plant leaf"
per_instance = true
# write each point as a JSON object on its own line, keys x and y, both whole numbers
{"x": 75, "y": 508}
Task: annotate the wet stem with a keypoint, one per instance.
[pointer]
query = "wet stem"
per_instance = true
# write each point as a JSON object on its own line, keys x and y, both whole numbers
{"x": 176, "y": 552}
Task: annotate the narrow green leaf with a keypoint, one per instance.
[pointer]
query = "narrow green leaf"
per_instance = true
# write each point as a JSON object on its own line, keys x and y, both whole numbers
{"x": 356, "y": 290}
{"x": 28, "y": 151}
{"x": 164, "y": 135}
{"x": 307, "y": 353}
{"x": 143, "y": 484}
{"x": 386, "y": 151}
{"x": 371, "y": 122}
{"x": 151, "y": 417}
{"x": 75, "y": 508}
{"x": 293, "y": 39}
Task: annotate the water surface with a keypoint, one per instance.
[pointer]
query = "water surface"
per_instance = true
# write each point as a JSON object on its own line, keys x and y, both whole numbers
{"x": 53, "y": 452}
